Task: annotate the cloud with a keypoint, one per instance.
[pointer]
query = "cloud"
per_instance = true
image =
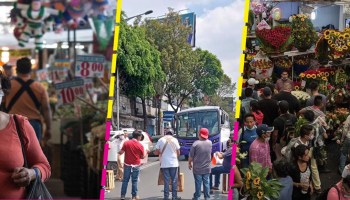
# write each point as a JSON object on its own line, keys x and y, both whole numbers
{"x": 220, "y": 31}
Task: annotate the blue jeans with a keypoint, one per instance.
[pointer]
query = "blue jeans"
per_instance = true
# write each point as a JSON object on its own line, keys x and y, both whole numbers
{"x": 342, "y": 162}
{"x": 198, "y": 179}
{"x": 37, "y": 128}
{"x": 217, "y": 171}
{"x": 132, "y": 172}
{"x": 170, "y": 173}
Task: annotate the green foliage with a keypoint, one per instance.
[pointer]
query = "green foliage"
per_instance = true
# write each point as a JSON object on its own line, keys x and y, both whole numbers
{"x": 300, "y": 122}
{"x": 303, "y": 33}
{"x": 138, "y": 62}
{"x": 187, "y": 71}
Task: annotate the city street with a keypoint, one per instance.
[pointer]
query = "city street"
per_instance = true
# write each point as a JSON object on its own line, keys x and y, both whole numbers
{"x": 149, "y": 189}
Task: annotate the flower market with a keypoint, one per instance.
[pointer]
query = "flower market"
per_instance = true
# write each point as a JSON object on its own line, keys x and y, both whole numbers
{"x": 294, "y": 136}
{"x": 68, "y": 47}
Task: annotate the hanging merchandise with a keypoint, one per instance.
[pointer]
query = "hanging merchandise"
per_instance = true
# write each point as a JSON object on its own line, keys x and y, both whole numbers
{"x": 303, "y": 32}
{"x": 75, "y": 14}
{"x": 258, "y": 7}
{"x": 34, "y": 25}
{"x": 262, "y": 65}
{"x": 275, "y": 40}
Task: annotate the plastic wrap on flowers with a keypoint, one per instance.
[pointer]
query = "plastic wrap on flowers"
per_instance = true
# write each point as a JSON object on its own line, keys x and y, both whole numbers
{"x": 276, "y": 40}
{"x": 262, "y": 65}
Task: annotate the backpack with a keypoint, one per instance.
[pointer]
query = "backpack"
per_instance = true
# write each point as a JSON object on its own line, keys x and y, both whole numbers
{"x": 289, "y": 127}
{"x": 324, "y": 194}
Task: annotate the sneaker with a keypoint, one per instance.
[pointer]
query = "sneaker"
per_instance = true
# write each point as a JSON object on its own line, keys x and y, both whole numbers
{"x": 214, "y": 188}
{"x": 319, "y": 191}
{"x": 136, "y": 198}
{"x": 176, "y": 198}
{"x": 122, "y": 198}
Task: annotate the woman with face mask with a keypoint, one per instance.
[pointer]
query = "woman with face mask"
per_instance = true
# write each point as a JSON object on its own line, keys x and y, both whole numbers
{"x": 15, "y": 176}
{"x": 301, "y": 173}
{"x": 259, "y": 150}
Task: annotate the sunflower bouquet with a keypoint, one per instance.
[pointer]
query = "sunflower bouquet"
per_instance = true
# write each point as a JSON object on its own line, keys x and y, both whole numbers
{"x": 333, "y": 44}
{"x": 303, "y": 33}
{"x": 256, "y": 186}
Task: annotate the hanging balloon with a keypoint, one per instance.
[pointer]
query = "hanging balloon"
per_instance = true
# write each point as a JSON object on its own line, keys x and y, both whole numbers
{"x": 276, "y": 14}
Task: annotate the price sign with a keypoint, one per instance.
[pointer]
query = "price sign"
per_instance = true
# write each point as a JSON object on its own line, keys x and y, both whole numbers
{"x": 88, "y": 84}
{"x": 62, "y": 63}
{"x": 42, "y": 75}
{"x": 68, "y": 91}
{"x": 58, "y": 74}
{"x": 90, "y": 66}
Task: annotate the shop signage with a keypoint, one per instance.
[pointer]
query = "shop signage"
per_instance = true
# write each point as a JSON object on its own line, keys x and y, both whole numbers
{"x": 62, "y": 63}
{"x": 90, "y": 66}
{"x": 69, "y": 90}
{"x": 58, "y": 74}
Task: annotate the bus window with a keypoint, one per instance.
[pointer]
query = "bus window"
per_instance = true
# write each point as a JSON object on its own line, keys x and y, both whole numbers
{"x": 186, "y": 125}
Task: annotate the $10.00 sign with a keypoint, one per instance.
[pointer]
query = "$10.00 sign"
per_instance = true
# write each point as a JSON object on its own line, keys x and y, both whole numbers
{"x": 68, "y": 91}
{"x": 89, "y": 66}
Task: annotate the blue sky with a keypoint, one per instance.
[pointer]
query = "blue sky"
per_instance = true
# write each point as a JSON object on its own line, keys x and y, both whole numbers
{"x": 218, "y": 28}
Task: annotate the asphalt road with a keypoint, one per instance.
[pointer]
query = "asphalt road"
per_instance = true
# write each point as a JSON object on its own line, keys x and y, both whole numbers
{"x": 149, "y": 189}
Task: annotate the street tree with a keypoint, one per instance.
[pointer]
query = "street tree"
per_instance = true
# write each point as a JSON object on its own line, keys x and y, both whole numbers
{"x": 139, "y": 64}
{"x": 187, "y": 71}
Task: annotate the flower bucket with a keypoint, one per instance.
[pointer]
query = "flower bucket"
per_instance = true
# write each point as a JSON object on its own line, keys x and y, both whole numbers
{"x": 298, "y": 69}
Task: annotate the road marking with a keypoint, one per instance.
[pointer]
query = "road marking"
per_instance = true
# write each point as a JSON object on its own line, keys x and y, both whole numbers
{"x": 149, "y": 165}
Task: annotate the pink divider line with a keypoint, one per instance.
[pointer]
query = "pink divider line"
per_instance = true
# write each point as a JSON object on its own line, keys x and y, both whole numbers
{"x": 233, "y": 159}
{"x": 104, "y": 176}
{"x": 108, "y": 130}
{"x": 102, "y": 194}
{"x": 105, "y": 154}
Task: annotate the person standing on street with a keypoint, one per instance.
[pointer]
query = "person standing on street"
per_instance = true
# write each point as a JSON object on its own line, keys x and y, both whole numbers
{"x": 113, "y": 157}
{"x": 8, "y": 69}
{"x": 168, "y": 149}
{"x": 199, "y": 160}
{"x": 134, "y": 152}
{"x": 283, "y": 80}
{"x": 29, "y": 98}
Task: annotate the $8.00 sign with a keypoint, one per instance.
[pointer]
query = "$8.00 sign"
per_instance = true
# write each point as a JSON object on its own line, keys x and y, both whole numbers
{"x": 68, "y": 91}
{"x": 90, "y": 66}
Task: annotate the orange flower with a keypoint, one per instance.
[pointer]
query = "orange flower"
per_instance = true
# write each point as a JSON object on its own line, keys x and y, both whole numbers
{"x": 260, "y": 195}
{"x": 314, "y": 76}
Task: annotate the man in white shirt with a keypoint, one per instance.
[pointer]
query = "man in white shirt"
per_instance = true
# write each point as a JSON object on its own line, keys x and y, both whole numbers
{"x": 168, "y": 149}
{"x": 113, "y": 157}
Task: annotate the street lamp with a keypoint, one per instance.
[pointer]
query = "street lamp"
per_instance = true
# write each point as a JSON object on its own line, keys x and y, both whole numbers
{"x": 146, "y": 13}
{"x": 117, "y": 83}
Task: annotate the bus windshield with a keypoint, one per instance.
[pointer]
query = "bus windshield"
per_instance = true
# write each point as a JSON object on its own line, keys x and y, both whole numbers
{"x": 188, "y": 124}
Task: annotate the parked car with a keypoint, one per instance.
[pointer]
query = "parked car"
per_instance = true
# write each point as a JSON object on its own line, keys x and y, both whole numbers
{"x": 146, "y": 140}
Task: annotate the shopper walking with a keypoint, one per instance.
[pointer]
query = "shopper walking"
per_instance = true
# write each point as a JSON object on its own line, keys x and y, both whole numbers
{"x": 168, "y": 149}
{"x": 199, "y": 160}
{"x": 29, "y": 98}
{"x": 134, "y": 152}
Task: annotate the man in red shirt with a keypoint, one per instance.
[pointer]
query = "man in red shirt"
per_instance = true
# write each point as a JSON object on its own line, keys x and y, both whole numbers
{"x": 134, "y": 152}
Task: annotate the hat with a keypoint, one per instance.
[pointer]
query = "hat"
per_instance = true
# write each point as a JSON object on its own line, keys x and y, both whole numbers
{"x": 263, "y": 128}
{"x": 169, "y": 132}
{"x": 252, "y": 81}
{"x": 267, "y": 91}
{"x": 7, "y": 66}
{"x": 204, "y": 133}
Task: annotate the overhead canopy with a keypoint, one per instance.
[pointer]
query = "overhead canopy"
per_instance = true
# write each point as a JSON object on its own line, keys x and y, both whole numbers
{"x": 8, "y": 40}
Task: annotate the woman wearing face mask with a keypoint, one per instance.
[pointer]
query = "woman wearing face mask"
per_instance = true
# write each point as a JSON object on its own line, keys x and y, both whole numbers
{"x": 260, "y": 149}
{"x": 301, "y": 173}
{"x": 14, "y": 176}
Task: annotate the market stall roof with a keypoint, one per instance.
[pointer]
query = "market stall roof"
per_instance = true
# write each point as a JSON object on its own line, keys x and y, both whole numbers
{"x": 8, "y": 40}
